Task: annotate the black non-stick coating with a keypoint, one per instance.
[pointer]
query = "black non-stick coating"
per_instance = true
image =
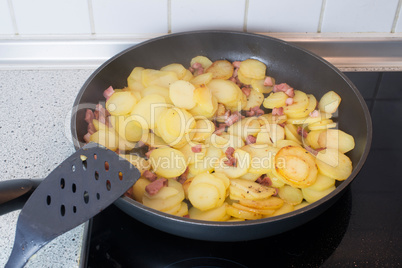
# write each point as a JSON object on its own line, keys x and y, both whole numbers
{"x": 286, "y": 63}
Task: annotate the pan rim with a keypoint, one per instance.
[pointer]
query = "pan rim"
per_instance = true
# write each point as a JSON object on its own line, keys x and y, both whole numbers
{"x": 309, "y": 208}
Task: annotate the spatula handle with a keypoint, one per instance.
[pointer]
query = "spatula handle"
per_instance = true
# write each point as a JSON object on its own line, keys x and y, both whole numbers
{"x": 14, "y": 193}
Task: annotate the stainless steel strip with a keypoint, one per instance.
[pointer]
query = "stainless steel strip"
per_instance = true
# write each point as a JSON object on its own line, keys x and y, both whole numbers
{"x": 349, "y": 54}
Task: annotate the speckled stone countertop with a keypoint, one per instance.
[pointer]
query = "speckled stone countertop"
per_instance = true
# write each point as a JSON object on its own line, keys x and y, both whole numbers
{"x": 35, "y": 137}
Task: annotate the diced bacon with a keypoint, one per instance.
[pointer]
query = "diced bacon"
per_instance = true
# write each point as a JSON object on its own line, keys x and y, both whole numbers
{"x": 197, "y": 148}
{"x": 259, "y": 112}
{"x": 231, "y": 160}
{"x": 290, "y": 92}
{"x": 277, "y": 111}
{"x": 302, "y": 132}
{"x": 219, "y": 130}
{"x": 283, "y": 87}
{"x": 183, "y": 177}
{"x": 268, "y": 82}
{"x": 233, "y": 118}
{"x": 264, "y": 180}
{"x": 236, "y": 64}
{"x": 149, "y": 175}
{"x": 289, "y": 101}
{"x": 229, "y": 152}
{"x": 196, "y": 68}
{"x": 246, "y": 91}
{"x": 276, "y": 191}
{"x": 250, "y": 113}
{"x": 87, "y": 137}
{"x": 155, "y": 186}
{"x": 250, "y": 139}
{"x": 108, "y": 92}
{"x": 89, "y": 116}
{"x": 101, "y": 114}
{"x": 91, "y": 128}
{"x": 235, "y": 72}
{"x": 314, "y": 113}
{"x": 313, "y": 151}
{"x": 196, "y": 65}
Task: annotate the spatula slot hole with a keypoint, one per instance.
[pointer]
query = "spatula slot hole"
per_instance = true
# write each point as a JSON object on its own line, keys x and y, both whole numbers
{"x": 74, "y": 209}
{"x": 96, "y": 175}
{"x": 84, "y": 165}
{"x": 62, "y": 183}
{"x": 120, "y": 176}
{"x": 86, "y": 197}
{"x": 106, "y": 165}
{"x": 62, "y": 210}
{"x": 108, "y": 185}
{"x": 95, "y": 156}
{"x": 97, "y": 196}
{"x": 73, "y": 168}
{"x": 48, "y": 200}
{"x": 74, "y": 188}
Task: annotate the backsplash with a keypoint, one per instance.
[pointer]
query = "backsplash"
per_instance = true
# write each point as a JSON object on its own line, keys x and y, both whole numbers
{"x": 139, "y": 18}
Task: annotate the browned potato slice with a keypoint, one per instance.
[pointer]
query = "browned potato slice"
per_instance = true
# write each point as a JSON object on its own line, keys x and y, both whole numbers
{"x": 221, "y": 69}
{"x": 300, "y": 103}
{"x": 296, "y": 166}
{"x": 204, "y": 61}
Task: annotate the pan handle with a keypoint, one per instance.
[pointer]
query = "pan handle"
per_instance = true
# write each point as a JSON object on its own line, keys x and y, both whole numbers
{"x": 14, "y": 193}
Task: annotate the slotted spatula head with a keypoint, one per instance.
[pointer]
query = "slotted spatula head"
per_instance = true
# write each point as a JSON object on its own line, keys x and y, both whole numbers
{"x": 82, "y": 186}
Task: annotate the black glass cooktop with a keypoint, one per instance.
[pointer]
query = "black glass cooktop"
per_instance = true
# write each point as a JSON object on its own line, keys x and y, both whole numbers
{"x": 362, "y": 229}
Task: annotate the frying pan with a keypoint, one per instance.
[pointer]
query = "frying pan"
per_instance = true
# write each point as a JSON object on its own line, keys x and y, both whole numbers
{"x": 286, "y": 63}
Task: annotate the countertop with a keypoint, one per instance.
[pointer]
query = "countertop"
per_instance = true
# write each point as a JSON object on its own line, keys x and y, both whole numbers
{"x": 35, "y": 137}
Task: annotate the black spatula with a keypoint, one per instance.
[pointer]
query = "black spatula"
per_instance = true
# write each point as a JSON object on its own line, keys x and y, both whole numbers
{"x": 79, "y": 188}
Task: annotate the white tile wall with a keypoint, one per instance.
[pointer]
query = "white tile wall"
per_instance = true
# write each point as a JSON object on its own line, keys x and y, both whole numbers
{"x": 52, "y": 16}
{"x": 284, "y": 15}
{"x": 97, "y": 18}
{"x": 6, "y": 26}
{"x": 359, "y": 15}
{"x": 190, "y": 15}
{"x": 130, "y": 16}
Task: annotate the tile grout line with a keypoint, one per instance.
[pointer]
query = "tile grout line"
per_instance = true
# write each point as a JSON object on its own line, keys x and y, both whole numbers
{"x": 169, "y": 16}
{"x": 12, "y": 14}
{"x": 320, "y": 20}
{"x": 91, "y": 17}
{"x": 246, "y": 5}
{"x": 396, "y": 18}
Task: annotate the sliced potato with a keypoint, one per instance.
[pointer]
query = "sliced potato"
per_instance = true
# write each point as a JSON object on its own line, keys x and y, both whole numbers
{"x": 252, "y": 68}
{"x": 269, "y": 203}
{"x": 313, "y": 195}
{"x": 167, "y": 162}
{"x": 242, "y": 214}
{"x": 275, "y": 100}
{"x": 215, "y": 214}
{"x": 176, "y": 68}
{"x": 291, "y": 195}
{"x": 182, "y": 94}
{"x": 134, "y": 81}
{"x": 296, "y": 165}
{"x": 300, "y": 104}
{"x": 201, "y": 80}
{"x": 255, "y": 99}
{"x": 221, "y": 69}
{"x": 152, "y": 77}
{"x": 243, "y": 163}
{"x": 225, "y": 91}
{"x": 203, "y": 130}
{"x": 258, "y": 84}
{"x": 204, "y": 61}
{"x": 329, "y": 102}
{"x": 139, "y": 188}
{"x": 334, "y": 164}
{"x": 121, "y": 103}
{"x": 336, "y": 139}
